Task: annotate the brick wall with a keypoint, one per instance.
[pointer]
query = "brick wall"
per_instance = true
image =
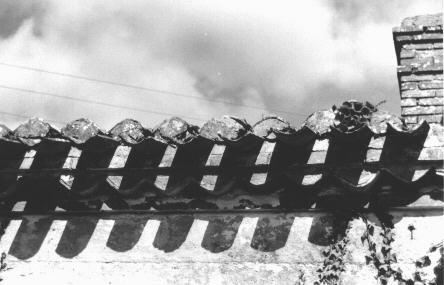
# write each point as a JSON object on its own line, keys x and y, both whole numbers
{"x": 418, "y": 45}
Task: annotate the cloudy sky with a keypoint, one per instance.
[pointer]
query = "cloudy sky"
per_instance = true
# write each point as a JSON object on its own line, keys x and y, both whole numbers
{"x": 150, "y": 60}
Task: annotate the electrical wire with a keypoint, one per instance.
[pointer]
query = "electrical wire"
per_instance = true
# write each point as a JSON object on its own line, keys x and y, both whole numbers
{"x": 97, "y": 102}
{"x": 147, "y": 89}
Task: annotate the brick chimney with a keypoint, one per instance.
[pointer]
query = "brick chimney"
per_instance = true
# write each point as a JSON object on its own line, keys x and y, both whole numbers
{"x": 418, "y": 45}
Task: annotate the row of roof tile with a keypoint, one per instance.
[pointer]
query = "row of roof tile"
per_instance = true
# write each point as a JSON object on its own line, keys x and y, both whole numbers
{"x": 177, "y": 131}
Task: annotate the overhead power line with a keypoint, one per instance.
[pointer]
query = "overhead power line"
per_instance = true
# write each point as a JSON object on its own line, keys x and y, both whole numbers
{"x": 97, "y": 102}
{"x": 27, "y": 117}
{"x": 147, "y": 89}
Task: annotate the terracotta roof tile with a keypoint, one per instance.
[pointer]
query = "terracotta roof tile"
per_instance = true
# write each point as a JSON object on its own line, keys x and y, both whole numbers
{"x": 380, "y": 162}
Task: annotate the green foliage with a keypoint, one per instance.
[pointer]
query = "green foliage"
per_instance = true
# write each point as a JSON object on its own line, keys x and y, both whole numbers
{"x": 381, "y": 257}
{"x": 3, "y": 264}
{"x": 384, "y": 259}
{"x": 334, "y": 262}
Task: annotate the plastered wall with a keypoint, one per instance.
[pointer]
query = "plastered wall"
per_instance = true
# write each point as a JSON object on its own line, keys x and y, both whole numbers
{"x": 202, "y": 248}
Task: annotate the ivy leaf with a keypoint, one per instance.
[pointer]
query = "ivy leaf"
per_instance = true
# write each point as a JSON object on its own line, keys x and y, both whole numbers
{"x": 423, "y": 262}
{"x": 368, "y": 259}
{"x": 417, "y": 277}
{"x": 385, "y": 250}
{"x": 363, "y": 237}
{"x": 427, "y": 261}
{"x": 393, "y": 258}
{"x": 371, "y": 229}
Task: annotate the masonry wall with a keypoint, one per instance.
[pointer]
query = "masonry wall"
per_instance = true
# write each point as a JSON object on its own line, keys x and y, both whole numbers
{"x": 205, "y": 248}
{"x": 237, "y": 246}
{"x": 418, "y": 44}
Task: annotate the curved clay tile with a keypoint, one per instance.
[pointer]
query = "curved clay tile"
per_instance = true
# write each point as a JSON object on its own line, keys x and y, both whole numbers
{"x": 33, "y": 128}
{"x": 129, "y": 130}
{"x": 176, "y": 130}
{"x": 80, "y": 130}
{"x": 227, "y": 128}
{"x": 320, "y": 121}
{"x": 32, "y": 131}
{"x": 268, "y": 124}
{"x": 379, "y": 120}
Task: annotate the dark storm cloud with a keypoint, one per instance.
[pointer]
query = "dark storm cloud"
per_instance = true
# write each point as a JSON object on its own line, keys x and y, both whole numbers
{"x": 354, "y": 12}
{"x": 288, "y": 56}
{"x": 14, "y": 12}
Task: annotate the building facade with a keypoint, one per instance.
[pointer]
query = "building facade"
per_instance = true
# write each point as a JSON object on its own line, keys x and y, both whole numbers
{"x": 353, "y": 196}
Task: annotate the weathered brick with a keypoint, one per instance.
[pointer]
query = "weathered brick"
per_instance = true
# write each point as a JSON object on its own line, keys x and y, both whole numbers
{"x": 414, "y": 77}
{"x": 431, "y": 85}
{"x": 429, "y": 53}
{"x": 412, "y": 85}
{"x": 410, "y": 119}
{"x": 430, "y": 101}
{"x": 407, "y": 53}
{"x": 431, "y": 118}
{"x": 419, "y": 37}
{"x": 404, "y": 38}
{"x": 418, "y": 46}
{"x": 421, "y": 110}
{"x": 429, "y": 64}
{"x": 408, "y": 102}
{"x": 428, "y": 36}
{"x": 418, "y": 93}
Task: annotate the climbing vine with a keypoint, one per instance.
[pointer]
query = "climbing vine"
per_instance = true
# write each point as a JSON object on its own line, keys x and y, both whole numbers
{"x": 384, "y": 260}
{"x": 334, "y": 261}
{"x": 381, "y": 257}
{"x": 3, "y": 264}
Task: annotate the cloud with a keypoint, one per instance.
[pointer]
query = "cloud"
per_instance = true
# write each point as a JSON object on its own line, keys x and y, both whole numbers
{"x": 13, "y": 13}
{"x": 277, "y": 56}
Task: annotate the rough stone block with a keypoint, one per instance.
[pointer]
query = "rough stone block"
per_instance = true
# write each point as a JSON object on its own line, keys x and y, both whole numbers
{"x": 419, "y": 37}
{"x": 409, "y": 85}
{"x": 437, "y": 45}
{"x": 430, "y": 101}
{"x": 420, "y": 110}
{"x": 429, "y": 53}
{"x": 432, "y": 64}
{"x": 421, "y": 93}
{"x": 431, "y": 118}
{"x": 408, "y": 53}
{"x": 411, "y": 119}
{"x": 417, "y": 46}
{"x": 408, "y": 102}
{"x": 430, "y": 85}
{"x": 414, "y": 77}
